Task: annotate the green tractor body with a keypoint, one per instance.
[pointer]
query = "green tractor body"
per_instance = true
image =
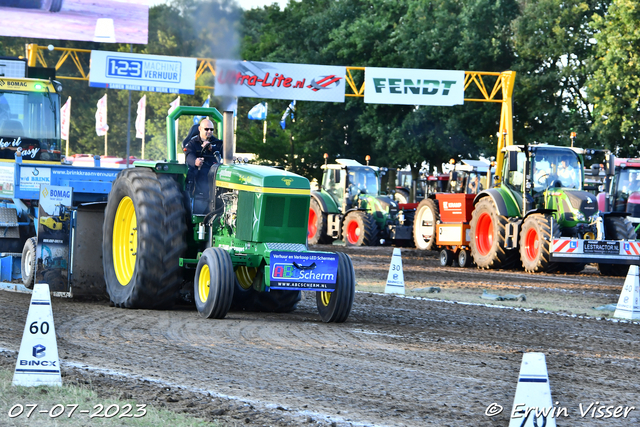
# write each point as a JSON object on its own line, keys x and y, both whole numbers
{"x": 536, "y": 203}
{"x": 239, "y": 244}
{"x": 349, "y": 206}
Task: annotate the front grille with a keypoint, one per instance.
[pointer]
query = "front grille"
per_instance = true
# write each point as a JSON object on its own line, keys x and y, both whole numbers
{"x": 274, "y": 215}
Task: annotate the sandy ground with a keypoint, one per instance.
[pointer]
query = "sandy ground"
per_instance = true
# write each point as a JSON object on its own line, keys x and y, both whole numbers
{"x": 77, "y": 21}
{"x": 395, "y": 362}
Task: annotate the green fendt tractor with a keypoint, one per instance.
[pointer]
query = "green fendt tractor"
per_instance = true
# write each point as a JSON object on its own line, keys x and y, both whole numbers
{"x": 349, "y": 206}
{"x": 538, "y": 199}
{"x": 242, "y": 242}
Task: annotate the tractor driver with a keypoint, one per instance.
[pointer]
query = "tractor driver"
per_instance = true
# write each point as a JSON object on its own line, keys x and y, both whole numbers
{"x": 201, "y": 152}
{"x": 566, "y": 172}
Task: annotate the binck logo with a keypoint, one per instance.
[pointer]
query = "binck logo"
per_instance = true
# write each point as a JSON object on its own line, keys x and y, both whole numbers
{"x": 413, "y": 86}
{"x": 38, "y": 351}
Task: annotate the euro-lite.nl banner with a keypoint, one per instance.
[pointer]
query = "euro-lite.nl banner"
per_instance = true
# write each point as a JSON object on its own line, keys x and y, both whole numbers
{"x": 271, "y": 80}
{"x": 407, "y": 86}
{"x": 150, "y": 73}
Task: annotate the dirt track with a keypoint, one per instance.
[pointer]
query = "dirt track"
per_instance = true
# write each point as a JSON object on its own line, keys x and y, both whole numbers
{"x": 396, "y": 361}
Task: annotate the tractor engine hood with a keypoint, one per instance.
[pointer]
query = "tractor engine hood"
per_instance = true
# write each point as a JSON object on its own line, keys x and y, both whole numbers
{"x": 582, "y": 201}
{"x": 261, "y": 179}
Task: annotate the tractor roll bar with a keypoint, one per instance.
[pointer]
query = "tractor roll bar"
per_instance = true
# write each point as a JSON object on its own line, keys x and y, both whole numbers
{"x": 212, "y": 113}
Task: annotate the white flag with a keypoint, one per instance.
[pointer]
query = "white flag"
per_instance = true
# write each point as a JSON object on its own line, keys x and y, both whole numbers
{"x": 140, "y": 120}
{"x": 101, "y": 117}
{"x": 174, "y": 104}
{"x": 65, "y": 118}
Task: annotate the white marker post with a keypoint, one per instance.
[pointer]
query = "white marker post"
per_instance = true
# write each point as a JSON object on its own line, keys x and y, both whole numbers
{"x": 395, "y": 279}
{"x": 38, "y": 362}
{"x": 533, "y": 394}
{"x": 629, "y": 302}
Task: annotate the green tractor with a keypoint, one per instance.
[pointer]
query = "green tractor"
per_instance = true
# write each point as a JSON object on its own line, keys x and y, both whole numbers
{"x": 242, "y": 245}
{"x": 349, "y": 206}
{"x": 540, "y": 198}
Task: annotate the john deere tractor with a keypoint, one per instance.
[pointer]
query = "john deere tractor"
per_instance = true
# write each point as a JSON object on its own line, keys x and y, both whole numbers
{"x": 349, "y": 206}
{"x": 241, "y": 242}
{"x": 540, "y": 198}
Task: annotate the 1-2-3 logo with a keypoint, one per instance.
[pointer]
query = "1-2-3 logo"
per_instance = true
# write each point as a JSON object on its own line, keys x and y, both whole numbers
{"x": 118, "y": 67}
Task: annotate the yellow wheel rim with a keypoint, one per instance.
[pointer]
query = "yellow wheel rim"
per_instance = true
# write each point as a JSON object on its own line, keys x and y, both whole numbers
{"x": 325, "y": 297}
{"x": 204, "y": 282}
{"x": 245, "y": 276}
{"x": 125, "y": 241}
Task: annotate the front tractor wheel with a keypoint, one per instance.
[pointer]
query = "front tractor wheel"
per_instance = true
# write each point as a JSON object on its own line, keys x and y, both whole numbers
{"x": 143, "y": 239}
{"x": 616, "y": 228}
{"x": 335, "y": 306}
{"x": 488, "y": 237}
{"x": 213, "y": 283}
{"x": 535, "y": 244}
{"x": 359, "y": 229}
{"x": 424, "y": 224}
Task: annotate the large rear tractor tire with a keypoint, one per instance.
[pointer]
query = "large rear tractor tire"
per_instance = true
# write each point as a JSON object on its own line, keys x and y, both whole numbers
{"x": 335, "y": 306}
{"x": 535, "y": 244}
{"x": 488, "y": 236}
{"x": 143, "y": 239}
{"x": 213, "y": 283}
{"x": 359, "y": 229}
{"x": 28, "y": 262}
{"x": 424, "y": 224}
{"x": 616, "y": 228}
{"x": 317, "y": 229}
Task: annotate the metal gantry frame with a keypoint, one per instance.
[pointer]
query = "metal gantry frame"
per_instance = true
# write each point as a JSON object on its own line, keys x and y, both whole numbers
{"x": 501, "y": 83}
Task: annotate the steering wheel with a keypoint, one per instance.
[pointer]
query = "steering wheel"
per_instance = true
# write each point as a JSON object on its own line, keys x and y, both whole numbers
{"x": 542, "y": 179}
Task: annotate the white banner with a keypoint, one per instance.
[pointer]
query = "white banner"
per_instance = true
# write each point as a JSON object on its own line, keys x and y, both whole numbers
{"x": 272, "y": 80}
{"x": 407, "y": 86}
{"x": 140, "y": 119}
{"x": 173, "y": 105}
{"x": 65, "y": 117}
{"x": 150, "y": 73}
{"x": 101, "y": 117}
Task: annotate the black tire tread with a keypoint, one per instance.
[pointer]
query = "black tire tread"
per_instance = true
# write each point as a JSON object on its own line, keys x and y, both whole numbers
{"x": 161, "y": 240}
{"x": 30, "y": 245}
{"x": 340, "y": 308}
{"x": 616, "y": 228}
{"x": 370, "y": 228}
{"x": 543, "y": 263}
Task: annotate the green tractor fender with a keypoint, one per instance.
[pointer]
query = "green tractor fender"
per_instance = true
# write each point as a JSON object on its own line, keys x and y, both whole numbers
{"x": 502, "y": 199}
{"x": 326, "y": 202}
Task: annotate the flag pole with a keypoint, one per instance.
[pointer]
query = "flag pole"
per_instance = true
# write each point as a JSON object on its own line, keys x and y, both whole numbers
{"x": 105, "y": 143}
{"x": 264, "y": 127}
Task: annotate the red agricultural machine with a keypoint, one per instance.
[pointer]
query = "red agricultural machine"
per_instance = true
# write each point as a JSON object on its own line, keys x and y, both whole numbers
{"x": 442, "y": 220}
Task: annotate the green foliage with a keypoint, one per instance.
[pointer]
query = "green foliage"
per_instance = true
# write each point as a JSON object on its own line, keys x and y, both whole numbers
{"x": 554, "y": 43}
{"x": 550, "y": 43}
{"x": 615, "y": 85}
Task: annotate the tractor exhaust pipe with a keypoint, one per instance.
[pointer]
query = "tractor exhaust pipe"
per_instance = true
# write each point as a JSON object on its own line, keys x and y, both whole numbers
{"x": 228, "y": 148}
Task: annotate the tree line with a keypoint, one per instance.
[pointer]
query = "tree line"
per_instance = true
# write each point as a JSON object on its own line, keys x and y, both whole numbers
{"x": 576, "y": 61}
